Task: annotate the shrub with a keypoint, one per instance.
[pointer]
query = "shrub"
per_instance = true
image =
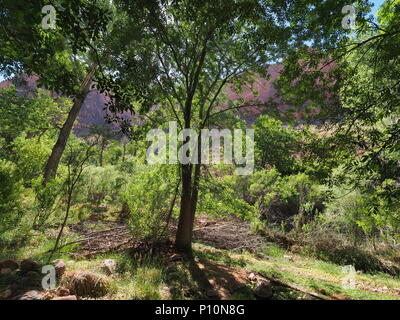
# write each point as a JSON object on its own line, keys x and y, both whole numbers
{"x": 100, "y": 182}
{"x": 293, "y": 199}
{"x": 275, "y": 145}
{"x": 10, "y": 197}
{"x": 31, "y": 156}
{"x": 149, "y": 195}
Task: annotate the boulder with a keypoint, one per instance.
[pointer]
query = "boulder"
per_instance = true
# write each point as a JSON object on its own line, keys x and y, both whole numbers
{"x": 166, "y": 292}
{"x": 29, "y": 265}
{"x": 9, "y": 264}
{"x": 109, "y": 266}
{"x": 85, "y": 284}
{"x": 32, "y": 279}
{"x": 252, "y": 277}
{"x": 5, "y": 271}
{"x": 65, "y": 298}
{"x": 31, "y": 295}
{"x": 60, "y": 267}
{"x": 6, "y": 294}
{"x": 263, "y": 289}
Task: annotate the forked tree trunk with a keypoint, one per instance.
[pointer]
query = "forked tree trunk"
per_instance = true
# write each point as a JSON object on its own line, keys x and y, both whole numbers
{"x": 190, "y": 193}
{"x": 58, "y": 149}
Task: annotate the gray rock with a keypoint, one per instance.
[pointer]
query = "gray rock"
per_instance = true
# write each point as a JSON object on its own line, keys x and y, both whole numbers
{"x": 109, "y": 266}
{"x": 60, "y": 267}
{"x": 6, "y": 294}
{"x": 32, "y": 279}
{"x": 9, "y": 264}
{"x": 29, "y": 265}
{"x": 5, "y": 271}
{"x": 31, "y": 295}
{"x": 263, "y": 289}
{"x": 65, "y": 298}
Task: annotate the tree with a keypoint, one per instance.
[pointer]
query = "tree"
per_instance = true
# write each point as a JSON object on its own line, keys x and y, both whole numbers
{"x": 190, "y": 50}
{"x": 275, "y": 145}
{"x": 78, "y": 156}
{"x": 63, "y": 58}
{"x": 365, "y": 71}
{"x": 103, "y": 134}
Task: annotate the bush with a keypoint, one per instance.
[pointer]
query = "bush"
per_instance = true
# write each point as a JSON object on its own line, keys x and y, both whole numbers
{"x": 10, "y": 195}
{"x": 46, "y": 197}
{"x": 32, "y": 155}
{"x": 149, "y": 196}
{"x": 293, "y": 199}
{"x": 224, "y": 197}
{"x": 275, "y": 145}
{"x": 99, "y": 182}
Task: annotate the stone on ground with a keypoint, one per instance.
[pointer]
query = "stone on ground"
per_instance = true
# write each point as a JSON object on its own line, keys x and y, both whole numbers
{"x": 9, "y": 264}
{"x": 85, "y": 284}
{"x": 109, "y": 266}
{"x": 31, "y": 295}
{"x": 6, "y": 294}
{"x": 263, "y": 289}
{"x": 60, "y": 267}
{"x": 29, "y": 265}
{"x": 65, "y": 298}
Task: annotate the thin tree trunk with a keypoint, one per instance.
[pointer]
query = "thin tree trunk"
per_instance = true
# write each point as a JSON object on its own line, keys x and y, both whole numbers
{"x": 123, "y": 153}
{"x": 63, "y": 223}
{"x": 102, "y": 147}
{"x": 183, "y": 240}
{"x": 58, "y": 149}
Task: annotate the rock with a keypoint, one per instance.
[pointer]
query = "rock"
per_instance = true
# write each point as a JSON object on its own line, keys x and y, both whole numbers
{"x": 6, "y": 294}
{"x": 9, "y": 264}
{"x": 166, "y": 292}
{"x": 32, "y": 279}
{"x": 109, "y": 266}
{"x": 29, "y": 265}
{"x": 5, "y": 271}
{"x": 62, "y": 292}
{"x": 85, "y": 283}
{"x": 290, "y": 258}
{"x": 211, "y": 293}
{"x": 263, "y": 289}
{"x": 252, "y": 277}
{"x": 60, "y": 267}
{"x": 31, "y": 295}
{"x": 65, "y": 298}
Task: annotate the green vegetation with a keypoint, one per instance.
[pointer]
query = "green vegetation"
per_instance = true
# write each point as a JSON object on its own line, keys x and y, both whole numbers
{"x": 324, "y": 191}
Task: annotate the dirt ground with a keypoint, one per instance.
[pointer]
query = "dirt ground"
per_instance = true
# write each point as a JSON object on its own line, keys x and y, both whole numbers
{"x": 221, "y": 234}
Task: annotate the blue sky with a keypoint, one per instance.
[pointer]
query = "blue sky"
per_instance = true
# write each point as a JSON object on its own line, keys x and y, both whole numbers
{"x": 377, "y": 4}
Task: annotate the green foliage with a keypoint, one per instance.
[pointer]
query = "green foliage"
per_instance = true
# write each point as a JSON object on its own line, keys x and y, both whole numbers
{"x": 275, "y": 144}
{"x": 10, "y": 195}
{"x": 218, "y": 197}
{"x": 40, "y": 113}
{"x": 281, "y": 198}
{"x": 101, "y": 182}
{"x": 31, "y": 156}
{"x": 149, "y": 194}
{"x": 46, "y": 200}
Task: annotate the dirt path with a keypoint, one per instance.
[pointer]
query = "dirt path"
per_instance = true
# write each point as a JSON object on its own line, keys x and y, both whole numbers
{"x": 221, "y": 234}
{"x": 230, "y": 234}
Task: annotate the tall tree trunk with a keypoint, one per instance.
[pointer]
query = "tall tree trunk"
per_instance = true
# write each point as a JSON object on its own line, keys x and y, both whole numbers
{"x": 195, "y": 195}
{"x": 58, "y": 149}
{"x": 183, "y": 240}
